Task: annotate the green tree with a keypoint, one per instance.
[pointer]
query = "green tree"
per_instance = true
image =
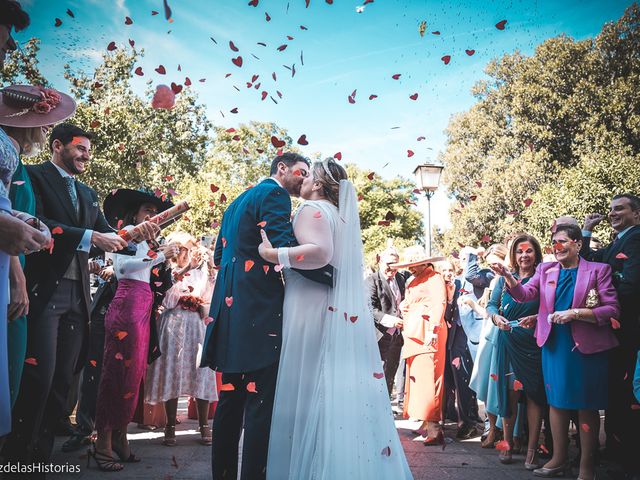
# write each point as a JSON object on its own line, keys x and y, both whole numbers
{"x": 552, "y": 134}
{"x": 135, "y": 145}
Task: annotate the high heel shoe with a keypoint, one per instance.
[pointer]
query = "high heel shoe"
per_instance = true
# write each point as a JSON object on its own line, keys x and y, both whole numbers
{"x": 560, "y": 471}
{"x": 169, "y": 439}
{"x": 132, "y": 458}
{"x": 206, "y": 438}
{"x": 437, "y": 440}
{"x": 531, "y": 453}
{"x": 105, "y": 462}
{"x": 505, "y": 457}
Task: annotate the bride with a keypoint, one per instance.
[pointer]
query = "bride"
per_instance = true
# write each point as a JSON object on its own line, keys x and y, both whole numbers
{"x": 332, "y": 418}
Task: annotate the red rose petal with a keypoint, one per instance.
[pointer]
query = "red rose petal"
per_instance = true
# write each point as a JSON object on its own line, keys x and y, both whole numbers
{"x": 414, "y": 96}
{"x": 31, "y": 361}
{"x": 251, "y": 387}
{"x": 446, "y": 59}
{"x": 120, "y": 334}
{"x": 128, "y": 21}
{"x": 227, "y": 387}
{"x": 517, "y": 385}
{"x": 621, "y": 256}
{"x": 337, "y": 156}
{"x": 112, "y": 46}
{"x": 410, "y": 153}
{"x": 161, "y": 70}
{"x": 615, "y": 324}
{"x": 501, "y": 24}
{"x": 237, "y": 61}
{"x": 303, "y": 140}
{"x": 276, "y": 142}
{"x": 378, "y": 375}
{"x": 58, "y": 22}
{"x": 228, "y": 301}
{"x": 469, "y": 52}
{"x": 503, "y": 446}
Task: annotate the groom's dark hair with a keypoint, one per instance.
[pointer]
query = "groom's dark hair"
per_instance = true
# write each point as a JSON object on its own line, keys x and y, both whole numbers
{"x": 289, "y": 159}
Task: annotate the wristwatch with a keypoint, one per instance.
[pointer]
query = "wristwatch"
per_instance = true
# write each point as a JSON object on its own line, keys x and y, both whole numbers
{"x": 577, "y": 313}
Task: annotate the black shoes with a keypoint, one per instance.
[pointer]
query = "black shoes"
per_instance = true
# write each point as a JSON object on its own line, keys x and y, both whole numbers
{"x": 465, "y": 432}
{"x": 76, "y": 442}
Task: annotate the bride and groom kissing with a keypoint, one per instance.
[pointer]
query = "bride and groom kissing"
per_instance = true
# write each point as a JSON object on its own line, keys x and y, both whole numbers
{"x": 294, "y": 337}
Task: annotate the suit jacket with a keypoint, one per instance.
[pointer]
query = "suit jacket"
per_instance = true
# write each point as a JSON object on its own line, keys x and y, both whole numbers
{"x": 44, "y": 270}
{"x": 589, "y": 338}
{"x": 382, "y": 301}
{"x": 623, "y": 256}
{"x": 246, "y": 307}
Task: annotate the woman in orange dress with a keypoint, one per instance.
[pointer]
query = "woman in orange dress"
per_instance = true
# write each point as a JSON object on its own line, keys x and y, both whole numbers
{"x": 425, "y": 342}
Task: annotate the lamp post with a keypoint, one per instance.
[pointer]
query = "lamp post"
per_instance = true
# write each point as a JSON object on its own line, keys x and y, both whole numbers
{"x": 428, "y": 179}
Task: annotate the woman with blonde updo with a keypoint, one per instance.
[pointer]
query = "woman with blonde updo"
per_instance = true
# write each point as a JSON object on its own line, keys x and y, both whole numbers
{"x": 181, "y": 330}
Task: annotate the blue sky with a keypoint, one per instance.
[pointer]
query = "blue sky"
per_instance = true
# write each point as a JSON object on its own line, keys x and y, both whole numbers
{"x": 343, "y": 51}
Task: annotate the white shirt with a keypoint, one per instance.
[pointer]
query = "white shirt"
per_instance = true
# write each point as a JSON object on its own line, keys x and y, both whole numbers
{"x": 138, "y": 266}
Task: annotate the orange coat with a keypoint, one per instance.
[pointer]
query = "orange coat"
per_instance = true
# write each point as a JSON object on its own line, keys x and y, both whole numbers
{"x": 423, "y": 316}
{"x": 423, "y": 308}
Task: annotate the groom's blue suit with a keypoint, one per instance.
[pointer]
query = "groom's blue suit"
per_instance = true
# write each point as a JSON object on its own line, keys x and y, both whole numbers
{"x": 243, "y": 340}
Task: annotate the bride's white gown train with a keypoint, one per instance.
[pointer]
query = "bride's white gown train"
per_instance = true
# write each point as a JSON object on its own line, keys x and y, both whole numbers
{"x": 332, "y": 418}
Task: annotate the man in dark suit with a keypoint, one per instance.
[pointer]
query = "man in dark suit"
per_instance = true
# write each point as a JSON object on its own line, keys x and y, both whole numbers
{"x": 243, "y": 340}
{"x": 622, "y": 423}
{"x": 460, "y": 403}
{"x": 386, "y": 289}
{"x": 58, "y": 286}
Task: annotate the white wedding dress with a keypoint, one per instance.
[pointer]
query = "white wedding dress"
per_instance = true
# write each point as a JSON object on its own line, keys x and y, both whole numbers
{"x": 332, "y": 417}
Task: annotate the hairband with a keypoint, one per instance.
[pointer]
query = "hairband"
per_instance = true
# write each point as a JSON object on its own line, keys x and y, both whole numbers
{"x": 325, "y": 165}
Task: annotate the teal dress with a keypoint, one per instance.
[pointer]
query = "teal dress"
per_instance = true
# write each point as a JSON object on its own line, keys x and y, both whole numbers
{"x": 22, "y": 199}
{"x": 518, "y": 356}
{"x": 573, "y": 380}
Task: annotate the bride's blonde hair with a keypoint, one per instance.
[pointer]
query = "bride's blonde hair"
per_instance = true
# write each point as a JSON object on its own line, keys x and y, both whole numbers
{"x": 329, "y": 173}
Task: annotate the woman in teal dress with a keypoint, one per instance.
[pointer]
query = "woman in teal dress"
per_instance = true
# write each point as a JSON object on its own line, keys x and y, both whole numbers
{"x": 518, "y": 365}
{"x": 22, "y": 199}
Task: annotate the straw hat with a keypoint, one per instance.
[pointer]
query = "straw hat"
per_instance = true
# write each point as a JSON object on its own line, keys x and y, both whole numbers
{"x": 413, "y": 256}
{"x": 26, "y": 106}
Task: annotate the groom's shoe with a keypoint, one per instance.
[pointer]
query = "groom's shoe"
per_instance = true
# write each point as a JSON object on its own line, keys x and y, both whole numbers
{"x": 437, "y": 440}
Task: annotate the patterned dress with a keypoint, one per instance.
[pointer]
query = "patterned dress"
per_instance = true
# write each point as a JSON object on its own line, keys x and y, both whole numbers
{"x": 181, "y": 334}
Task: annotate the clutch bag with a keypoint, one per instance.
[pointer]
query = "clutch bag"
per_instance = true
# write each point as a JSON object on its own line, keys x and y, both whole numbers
{"x": 593, "y": 299}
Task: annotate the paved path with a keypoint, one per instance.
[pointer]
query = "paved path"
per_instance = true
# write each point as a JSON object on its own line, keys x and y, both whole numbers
{"x": 190, "y": 460}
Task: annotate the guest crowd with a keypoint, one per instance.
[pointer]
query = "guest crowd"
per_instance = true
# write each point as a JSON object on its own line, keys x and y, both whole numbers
{"x": 113, "y": 330}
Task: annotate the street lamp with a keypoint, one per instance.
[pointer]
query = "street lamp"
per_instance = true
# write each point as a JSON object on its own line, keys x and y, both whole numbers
{"x": 428, "y": 178}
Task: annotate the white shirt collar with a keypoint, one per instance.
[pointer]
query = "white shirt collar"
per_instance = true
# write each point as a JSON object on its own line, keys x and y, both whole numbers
{"x": 276, "y": 180}
{"x": 61, "y": 171}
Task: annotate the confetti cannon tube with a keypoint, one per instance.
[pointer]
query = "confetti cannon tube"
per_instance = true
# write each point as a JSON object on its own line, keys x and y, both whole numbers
{"x": 161, "y": 219}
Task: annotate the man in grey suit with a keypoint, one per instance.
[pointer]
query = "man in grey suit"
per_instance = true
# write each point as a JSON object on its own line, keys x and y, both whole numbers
{"x": 386, "y": 288}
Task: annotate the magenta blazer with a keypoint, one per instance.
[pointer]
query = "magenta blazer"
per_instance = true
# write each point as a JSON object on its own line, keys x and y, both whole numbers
{"x": 589, "y": 337}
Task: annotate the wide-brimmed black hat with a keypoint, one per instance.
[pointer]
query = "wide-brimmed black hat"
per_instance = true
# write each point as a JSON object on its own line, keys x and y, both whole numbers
{"x": 123, "y": 200}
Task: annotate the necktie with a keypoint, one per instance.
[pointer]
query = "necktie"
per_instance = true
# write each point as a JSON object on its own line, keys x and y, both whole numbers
{"x": 71, "y": 188}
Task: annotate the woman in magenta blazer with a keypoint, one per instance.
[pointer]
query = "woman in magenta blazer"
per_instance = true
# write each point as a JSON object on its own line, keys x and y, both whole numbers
{"x": 578, "y": 306}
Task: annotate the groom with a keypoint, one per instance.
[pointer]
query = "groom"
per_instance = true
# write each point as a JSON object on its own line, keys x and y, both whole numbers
{"x": 243, "y": 341}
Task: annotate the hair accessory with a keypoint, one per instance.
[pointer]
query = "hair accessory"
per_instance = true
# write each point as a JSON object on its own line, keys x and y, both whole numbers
{"x": 325, "y": 165}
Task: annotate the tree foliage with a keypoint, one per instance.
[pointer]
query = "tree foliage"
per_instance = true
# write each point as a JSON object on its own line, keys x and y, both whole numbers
{"x": 557, "y": 133}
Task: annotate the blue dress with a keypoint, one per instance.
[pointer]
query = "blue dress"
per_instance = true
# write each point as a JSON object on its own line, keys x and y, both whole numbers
{"x": 8, "y": 164}
{"x": 573, "y": 380}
